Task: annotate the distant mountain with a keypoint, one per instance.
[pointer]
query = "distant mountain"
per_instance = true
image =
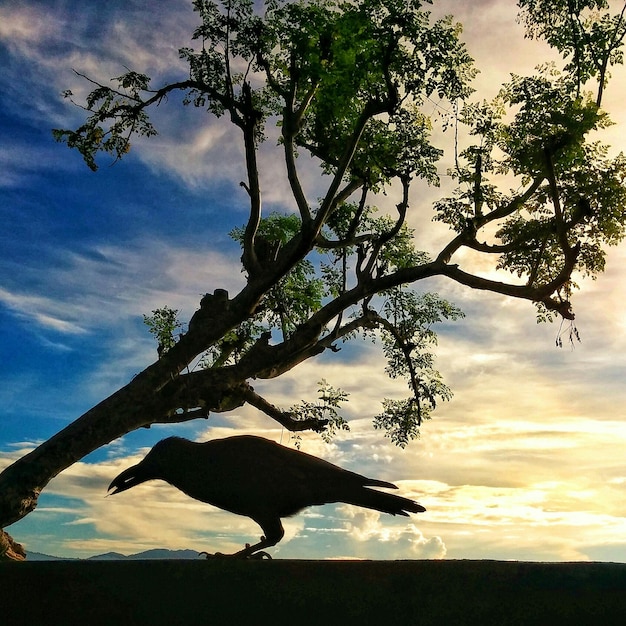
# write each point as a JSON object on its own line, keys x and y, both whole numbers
{"x": 116, "y": 556}
{"x": 147, "y": 555}
{"x": 38, "y": 556}
{"x": 108, "y": 556}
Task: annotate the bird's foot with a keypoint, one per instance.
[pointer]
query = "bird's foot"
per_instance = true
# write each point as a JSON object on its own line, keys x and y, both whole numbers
{"x": 249, "y": 552}
{"x": 242, "y": 554}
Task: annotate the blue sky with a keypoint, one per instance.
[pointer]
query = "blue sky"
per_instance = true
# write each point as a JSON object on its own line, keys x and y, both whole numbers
{"x": 526, "y": 461}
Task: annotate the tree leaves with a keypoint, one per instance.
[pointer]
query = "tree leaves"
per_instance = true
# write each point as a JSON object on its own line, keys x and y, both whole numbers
{"x": 117, "y": 115}
{"x": 582, "y": 32}
{"x": 337, "y": 62}
{"x": 325, "y": 410}
{"x": 350, "y": 83}
{"x": 406, "y": 323}
{"x": 536, "y": 129}
{"x": 162, "y": 324}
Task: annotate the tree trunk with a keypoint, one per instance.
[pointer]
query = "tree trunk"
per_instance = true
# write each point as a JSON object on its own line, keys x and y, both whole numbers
{"x": 10, "y": 550}
{"x": 21, "y": 482}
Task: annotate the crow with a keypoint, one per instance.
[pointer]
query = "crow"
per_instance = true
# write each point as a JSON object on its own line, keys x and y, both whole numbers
{"x": 260, "y": 479}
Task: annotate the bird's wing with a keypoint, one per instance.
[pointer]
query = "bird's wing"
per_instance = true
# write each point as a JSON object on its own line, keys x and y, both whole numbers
{"x": 287, "y": 480}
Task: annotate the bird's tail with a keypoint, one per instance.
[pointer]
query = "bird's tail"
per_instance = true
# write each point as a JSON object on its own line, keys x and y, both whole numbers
{"x": 384, "y": 502}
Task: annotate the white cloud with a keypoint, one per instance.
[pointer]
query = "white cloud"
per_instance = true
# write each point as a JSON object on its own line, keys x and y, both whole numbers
{"x": 18, "y": 161}
{"x": 504, "y": 487}
{"x": 46, "y": 312}
{"x": 525, "y": 462}
{"x": 25, "y": 26}
{"x": 366, "y": 526}
{"x": 112, "y": 283}
{"x": 514, "y": 467}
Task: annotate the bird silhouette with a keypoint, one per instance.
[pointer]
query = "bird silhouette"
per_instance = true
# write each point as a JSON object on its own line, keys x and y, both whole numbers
{"x": 259, "y": 479}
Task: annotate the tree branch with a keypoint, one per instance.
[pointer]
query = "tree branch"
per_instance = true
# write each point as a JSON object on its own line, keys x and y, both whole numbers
{"x": 406, "y": 349}
{"x": 284, "y": 418}
{"x": 332, "y": 198}
{"x": 289, "y": 132}
{"x": 249, "y": 257}
{"x": 390, "y": 234}
{"x": 561, "y": 230}
{"x": 539, "y": 293}
{"x": 159, "y": 95}
{"x": 468, "y": 236}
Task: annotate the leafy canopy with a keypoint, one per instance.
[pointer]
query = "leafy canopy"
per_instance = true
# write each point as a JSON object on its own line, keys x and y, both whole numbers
{"x": 351, "y": 84}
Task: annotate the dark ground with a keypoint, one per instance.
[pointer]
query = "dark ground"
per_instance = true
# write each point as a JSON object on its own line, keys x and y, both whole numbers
{"x": 446, "y": 593}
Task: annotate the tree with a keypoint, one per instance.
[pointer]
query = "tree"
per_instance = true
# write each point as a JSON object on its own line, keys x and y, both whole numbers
{"x": 347, "y": 83}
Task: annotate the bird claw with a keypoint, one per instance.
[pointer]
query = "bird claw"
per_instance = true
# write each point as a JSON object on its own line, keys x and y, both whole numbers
{"x": 208, "y": 555}
{"x": 257, "y": 556}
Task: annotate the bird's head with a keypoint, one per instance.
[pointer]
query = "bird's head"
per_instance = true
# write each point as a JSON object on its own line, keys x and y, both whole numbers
{"x": 151, "y": 467}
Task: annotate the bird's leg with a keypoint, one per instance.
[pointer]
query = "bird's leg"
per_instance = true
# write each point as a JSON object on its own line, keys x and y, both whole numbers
{"x": 273, "y": 532}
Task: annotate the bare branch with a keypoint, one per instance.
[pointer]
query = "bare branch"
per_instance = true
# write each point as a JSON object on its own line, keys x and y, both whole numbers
{"x": 290, "y": 130}
{"x": 332, "y": 197}
{"x": 284, "y": 418}
{"x": 539, "y": 293}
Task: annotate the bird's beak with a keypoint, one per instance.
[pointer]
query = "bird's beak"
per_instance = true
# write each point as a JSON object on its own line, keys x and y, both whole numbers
{"x": 128, "y": 478}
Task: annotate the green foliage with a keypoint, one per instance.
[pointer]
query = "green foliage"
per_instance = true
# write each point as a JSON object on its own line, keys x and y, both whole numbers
{"x": 291, "y": 300}
{"x": 326, "y": 409}
{"x": 233, "y": 345}
{"x": 409, "y": 338}
{"x": 400, "y": 420}
{"x": 230, "y": 33}
{"x": 536, "y": 129}
{"x": 162, "y": 324}
{"x": 581, "y": 31}
{"x": 350, "y": 83}
{"x": 93, "y": 137}
{"x": 367, "y": 56}
{"x": 591, "y": 187}
{"x": 551, "y": 117}
{"x": 329, "y": 64}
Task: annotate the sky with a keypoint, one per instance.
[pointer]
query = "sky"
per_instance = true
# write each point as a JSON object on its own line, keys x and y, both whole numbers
{"x": 527, "y": 461}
